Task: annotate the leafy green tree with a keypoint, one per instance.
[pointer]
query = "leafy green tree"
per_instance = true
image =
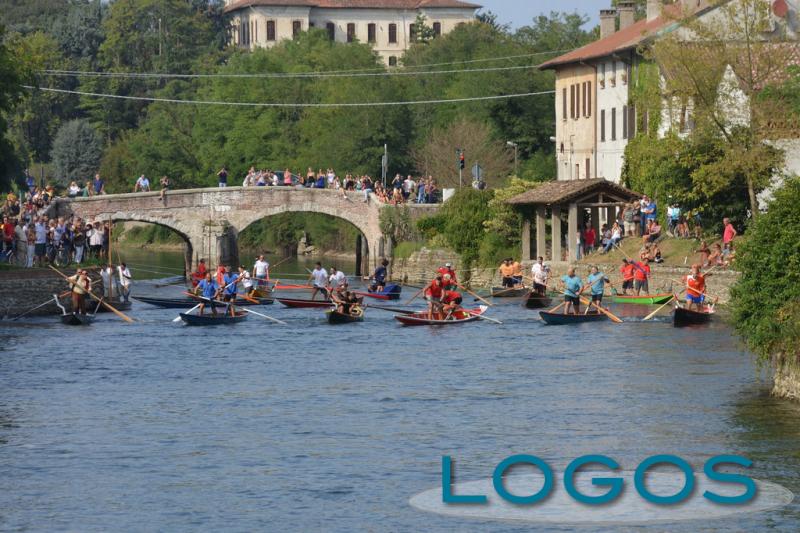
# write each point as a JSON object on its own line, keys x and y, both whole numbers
{"x": 80, "y": 32}
{"x": 76, "y": 151}
{"x": 465, "y": 215}
{"x": 765, "y": 299}
{"x": 422, "y": 32}
{"x": 28, "y": 16}
{"x": 11, "y": 77}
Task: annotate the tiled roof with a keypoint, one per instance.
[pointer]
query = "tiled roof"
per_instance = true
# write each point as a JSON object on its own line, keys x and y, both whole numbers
{"x": 559, "y": 192}
{"x": 354, "y": 4}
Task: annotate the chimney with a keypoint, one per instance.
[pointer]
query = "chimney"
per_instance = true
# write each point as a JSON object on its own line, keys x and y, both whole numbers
{"x": 627, "y": 14}
{"x": 653, "y": 9}
{"x": 608, "y": 22}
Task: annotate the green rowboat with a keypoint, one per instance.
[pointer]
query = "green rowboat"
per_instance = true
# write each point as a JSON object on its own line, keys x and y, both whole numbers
{"x": 652, "y": 299}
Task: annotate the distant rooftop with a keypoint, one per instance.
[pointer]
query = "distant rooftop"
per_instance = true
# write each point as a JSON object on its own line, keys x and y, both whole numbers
{"x": 354, "y": 4}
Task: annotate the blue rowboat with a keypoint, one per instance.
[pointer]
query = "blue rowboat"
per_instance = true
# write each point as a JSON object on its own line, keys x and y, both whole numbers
{"x": 560, "y": 319}
{"x": 183, "y": 303}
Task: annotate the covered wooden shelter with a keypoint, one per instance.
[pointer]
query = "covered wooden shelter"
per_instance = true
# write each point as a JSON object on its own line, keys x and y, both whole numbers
{"x": 583, "y": 202}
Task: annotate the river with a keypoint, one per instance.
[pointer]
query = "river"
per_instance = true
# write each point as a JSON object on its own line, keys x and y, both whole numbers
{"x": 309, "y": 427}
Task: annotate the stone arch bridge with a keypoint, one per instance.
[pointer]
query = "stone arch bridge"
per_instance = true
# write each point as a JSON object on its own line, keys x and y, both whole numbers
{"x": 210, "y": 220}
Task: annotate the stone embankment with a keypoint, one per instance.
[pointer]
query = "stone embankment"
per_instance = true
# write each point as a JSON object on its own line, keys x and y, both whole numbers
{"x": 23, "y": 289}
{"x": 421, "y": 265}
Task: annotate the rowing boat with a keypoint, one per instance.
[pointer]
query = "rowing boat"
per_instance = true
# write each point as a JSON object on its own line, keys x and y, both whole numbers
{"x": 389, "y": 293}
{"x": 440, "y": 319}
{"x": 501, "y": 292}
{"x": 335, "y": 317}
{"x": 214, "y": 320}
{"x": 534, "y": 301}
{"x": 560, "y": 319}
{"x": 76, "y": 319}
{"x": 682, "y": 317}
{"x": 647, "y": 299}
{"x": 305, "y": 304}
{"x": 183, "y": 303}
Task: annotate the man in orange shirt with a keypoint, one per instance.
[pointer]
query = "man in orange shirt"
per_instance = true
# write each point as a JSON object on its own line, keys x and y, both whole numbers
{"x": 641, "y": 276}
{"x": 626, "y": 270}
{"x": 696, "y": 288}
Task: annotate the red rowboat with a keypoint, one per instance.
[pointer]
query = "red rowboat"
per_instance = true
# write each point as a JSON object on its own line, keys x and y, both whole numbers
{"x": 459, "y": 317}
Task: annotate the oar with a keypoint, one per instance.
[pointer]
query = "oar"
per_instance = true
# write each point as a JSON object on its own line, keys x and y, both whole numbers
{"x": 90, "y": 293}
{"x": 415, "y": 296}
{"x": 498, "y": 293}
{"x": 178, "y": 319}
{"x": 654, "y": 313}
{"x": 478, "y": 315}
{"x": 394, "y": 310}
{"x": 281, "y": 322}
{"x": 474, "y": 295}
{"x": 584, "y": 301}
{"x": 556, "y": 308}
{"x": 40, "y": 306}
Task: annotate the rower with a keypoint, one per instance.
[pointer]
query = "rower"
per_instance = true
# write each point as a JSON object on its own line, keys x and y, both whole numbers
{"x": 247, "y": 280}
{"x": 230, "y": 288}
{"x": 447, "y": 269}
{"x": 379, "y": 277}
{"x": 517, "y": 274}
{"x": 507, "y": 273}
{"x": 219, "y": 277}
{"x": 539, "y": 277}
{"x": 261, "y": 272}
{"x": 696, "y": 288}
{"x": 641, "y": 276}
{"x": 200, "y": 274}
{"x": 433, "y": 294}
{"x": 626, "y": 270}
{"x": 597, "y": 281}
{"x": 337, "y": 281}
{"x": 81, "y": 285}
{"x": 572, "y": 289}
{"x": 451, "y": 303}
{"x": 320, "y": 277}
{"x": 208, "y": 289}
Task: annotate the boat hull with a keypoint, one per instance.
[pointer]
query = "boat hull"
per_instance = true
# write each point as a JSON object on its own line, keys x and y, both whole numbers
{"x": 538, "y": 302}
{"x": 305, "y": 304}
{"x": 655, "y": 299}
{"x": 77, "y": 319}
{"x": 682, "y": 318}
{"x": 461, "y": 317}
{"x": 560, "y": 319}
{"x": 211, "y": 320}
{"x": 183, "y": 303}
{"x": 335, "y": 318}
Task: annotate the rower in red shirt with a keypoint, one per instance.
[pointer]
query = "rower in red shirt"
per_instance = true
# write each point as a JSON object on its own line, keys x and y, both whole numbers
{"x": 626, "y": 270}
{"x": 433, "y": 294}
{"x": 447, "y": 270}
{"x": 451, "y": 302}
{"x": 696, "y": 288}
{"x": 641, "y": 276}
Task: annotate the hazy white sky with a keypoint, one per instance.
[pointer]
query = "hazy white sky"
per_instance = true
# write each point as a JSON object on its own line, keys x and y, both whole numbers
{"x": 521, "y": 12}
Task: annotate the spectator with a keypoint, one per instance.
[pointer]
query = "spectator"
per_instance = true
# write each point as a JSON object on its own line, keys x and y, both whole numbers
{"x": 729, "y": 233}
{"x": 73, "y": 190}
{"x": 98, "y": 186}
{"x": 223, "y": 177}
{"x": 589, "y": 239}
{"x": 142, "y": 184}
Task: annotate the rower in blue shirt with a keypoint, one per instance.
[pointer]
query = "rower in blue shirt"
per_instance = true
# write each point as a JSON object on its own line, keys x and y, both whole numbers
{"x": 597, "y": 281}
{"x": 572, "y": 290}
{"x": 379, "y": 277}
{"x": 208, "y": 289}
{"x": 230, "y": 289}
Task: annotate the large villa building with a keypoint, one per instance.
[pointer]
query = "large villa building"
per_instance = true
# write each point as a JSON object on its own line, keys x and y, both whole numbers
{"x": 388, "y": 25}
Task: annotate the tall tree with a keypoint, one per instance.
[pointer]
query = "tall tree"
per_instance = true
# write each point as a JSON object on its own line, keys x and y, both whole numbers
{"x": 76, "y": 151}
{"x": 11, "y": 78}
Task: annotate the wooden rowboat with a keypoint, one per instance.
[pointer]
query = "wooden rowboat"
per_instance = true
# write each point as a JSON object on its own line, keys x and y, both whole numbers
{"x": 646, "y": 299}
{"x": 560, "y": 319}
{"x": 501, "y": 292}
{"x": 214, "y": 320}
{"x": 459, "y": 317}
{"x": 389, "y": 293}
{"x": 307, "y": 304}
{"x": 76, "y": 319}
{"x": 534, "y": 301}
{"x": 335, "y": 317}
{"x": 682, "y": 317}
{"x": 183, "y": 303}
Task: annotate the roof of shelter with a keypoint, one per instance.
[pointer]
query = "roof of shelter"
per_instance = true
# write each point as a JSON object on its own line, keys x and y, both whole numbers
{"x": 560, "y": 192}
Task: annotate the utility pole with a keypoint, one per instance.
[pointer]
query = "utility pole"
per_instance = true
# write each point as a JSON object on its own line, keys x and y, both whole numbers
{"x": 461, "y": 166}
{"x": 385, "y": 164}
{"x": 515, "y": 146}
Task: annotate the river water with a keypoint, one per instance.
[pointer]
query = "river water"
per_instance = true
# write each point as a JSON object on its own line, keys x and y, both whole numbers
{"x": 309, "y": 427}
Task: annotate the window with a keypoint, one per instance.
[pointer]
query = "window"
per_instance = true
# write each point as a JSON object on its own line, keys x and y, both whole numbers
{"x": 624, "y": 122}
{"x": 255, "y": 30}
{"x": 392, "y": 61}
{"x": 603, "y": 126}
{"x": 564, "y": 103}
{"x": 562, "y": 148}
{"x": 437, "y": 29}
{"x": 572, "y": 101}
{"x": 331, "y": 27}
{"x": 371, "y": 33}
{"x": 613, "y": 123}
{"x": 271, "y": 30}
{"x": 393, "y": 33}
{"x": 577, "y": 171}
{"x": 588, "y": 169}
{"x": 631, "y": 122}
{"x": 412, "y": 33}
{"x": 589, "y": 99}
{"x": 297, "y": 27}
{"x": 583, "y": 100}
{"x": 351, "y": 32}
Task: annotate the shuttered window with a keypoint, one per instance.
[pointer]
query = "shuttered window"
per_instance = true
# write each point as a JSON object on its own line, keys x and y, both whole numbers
{"x": 393, "y": 33}
{"x": 603, "y": 126}
{"x": 371, "y": 33}
{"x": 270, "y": 30}
{"x": 351, "y": 32}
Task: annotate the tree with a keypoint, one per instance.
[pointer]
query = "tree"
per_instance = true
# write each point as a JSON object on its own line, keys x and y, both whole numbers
{"x": 80, "y": 32}
{"x": 718, "y": 68}
{"x": 422, "y": 32}
{"x": 11, "y": 78}
{"x": 76, "y": 151}
{"x": 437, "y": 155}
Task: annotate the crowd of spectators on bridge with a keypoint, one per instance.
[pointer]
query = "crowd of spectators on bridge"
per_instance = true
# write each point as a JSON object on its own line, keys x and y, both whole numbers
{"x": 399, "y": 191}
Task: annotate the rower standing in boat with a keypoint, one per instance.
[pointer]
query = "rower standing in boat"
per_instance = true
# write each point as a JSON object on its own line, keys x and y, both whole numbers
{"x": 247, "y": 280}
{"x": 506, "y": 271}
{"x": 81, "y": 285}
{"x": 261, "y": 272}
{"x": 573, "y": 287}
{"x": 433, "y": 293}
{"x": 124, "y": 281}
{"x": 516, "y": 275}
{"x": 379, "y": 277}
{"x": 231, "y": 287}
{"x": 626, "y": 270}
{"x": 539, "y": 273}
{"x": 696, "y": 288}
{"x": 337, "y": 281}
{"x": 641, "y": 276}
{"x": 447, "y": 270}
{"x": 208, "y": 289}
{"x": 320, "y": 277}
{"x": 597, "y": 281}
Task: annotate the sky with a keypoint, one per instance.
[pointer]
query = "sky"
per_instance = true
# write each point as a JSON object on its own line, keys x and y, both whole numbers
{"x": 521, "y": 12}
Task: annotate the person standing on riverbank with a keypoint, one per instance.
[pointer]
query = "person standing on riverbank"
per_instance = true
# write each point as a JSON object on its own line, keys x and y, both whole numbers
{"x": 729, "y": 233}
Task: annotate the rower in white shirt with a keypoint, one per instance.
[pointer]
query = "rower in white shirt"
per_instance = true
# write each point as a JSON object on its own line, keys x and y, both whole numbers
{"x": 320, "y": 277}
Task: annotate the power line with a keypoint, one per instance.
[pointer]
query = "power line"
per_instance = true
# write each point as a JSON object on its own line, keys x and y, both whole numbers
{"x": 284, "y": 105}
{"x": 321, "y": 74}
